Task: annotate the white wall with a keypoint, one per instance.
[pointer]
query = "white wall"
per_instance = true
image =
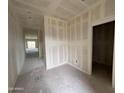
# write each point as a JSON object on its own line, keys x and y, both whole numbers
{"x": 74, "y": 43}
{"x": 78, "y": 37}
{"x": 80, "y": 32}
{"x": 100, "y": 13}
{"x": 55, "y": 41}
{"x": 41, "y": 44}
{"x": 113, "y": 75}
{"x": 107, "y": 8}
{"x": 16, "y": 53}
{"x": 20, "y": 51}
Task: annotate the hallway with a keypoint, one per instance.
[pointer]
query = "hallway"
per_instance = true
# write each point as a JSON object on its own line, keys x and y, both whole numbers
{"x": 63, "y": 79}
{"x": 32, "y": 63}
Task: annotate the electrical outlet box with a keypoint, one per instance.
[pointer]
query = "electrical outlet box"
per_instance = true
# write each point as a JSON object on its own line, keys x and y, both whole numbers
{"x": 76, "y": 61}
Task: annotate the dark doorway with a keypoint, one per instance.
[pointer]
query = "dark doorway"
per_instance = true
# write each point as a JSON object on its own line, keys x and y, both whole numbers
{"x": 103, "y": 43}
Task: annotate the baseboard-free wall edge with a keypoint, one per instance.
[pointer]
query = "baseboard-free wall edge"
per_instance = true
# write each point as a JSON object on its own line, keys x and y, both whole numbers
{"x": 11, "y": 89}
{"x": 78, "y": 68}
{"x": 56, "y": 66}
{"x": 18, "y": 74}
{"x": 68, "y": 64}
{"x": 75, "y": 67}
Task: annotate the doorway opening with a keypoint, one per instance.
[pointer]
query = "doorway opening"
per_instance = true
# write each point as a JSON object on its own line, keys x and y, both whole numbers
{"x": 31, "y": 44}
{"x": 102, "y": 55}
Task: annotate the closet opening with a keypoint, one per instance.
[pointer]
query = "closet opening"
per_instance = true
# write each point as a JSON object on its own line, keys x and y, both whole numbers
{"x": 102, "y": 51}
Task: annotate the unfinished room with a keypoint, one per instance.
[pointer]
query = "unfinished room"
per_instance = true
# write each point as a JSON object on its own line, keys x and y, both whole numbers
{"x": 61, "y": 46}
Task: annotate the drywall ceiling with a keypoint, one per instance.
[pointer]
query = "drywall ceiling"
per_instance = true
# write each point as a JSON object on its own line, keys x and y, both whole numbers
{"x": 30, "y": 12}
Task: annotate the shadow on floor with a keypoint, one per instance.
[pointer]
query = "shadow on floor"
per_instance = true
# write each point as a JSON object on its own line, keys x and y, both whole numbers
{"x": 103, "y": 72}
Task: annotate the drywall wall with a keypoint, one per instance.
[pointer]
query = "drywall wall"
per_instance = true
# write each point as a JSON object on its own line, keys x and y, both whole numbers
{"x": 77, "y": 40}
{"x": 77, "y": 44}
{"x": 16, "y": 55}
{"x": 67, "y": 42}
{"x": 99, "y": 16}
{"x": 75, "y": 37}
{"x": 20, "y": 53}
{"x": 41, "y": 35}
{"x": 41, "y": 44}
{"x": 113, "y": 73}
{"x": 78, "y": 37}
{"x": 56, "y": 47}
{"x": 102, "y": 10}
{"x": 105, "y": 13}
{"x": 12, "y": 68}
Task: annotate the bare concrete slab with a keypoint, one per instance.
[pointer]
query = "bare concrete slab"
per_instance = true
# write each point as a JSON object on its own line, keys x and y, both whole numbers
{"x": 63, "y": 79}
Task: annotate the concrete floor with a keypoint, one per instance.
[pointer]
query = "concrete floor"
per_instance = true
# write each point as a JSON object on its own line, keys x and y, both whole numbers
{"x": 32, "y": 55}
{"x": 31, "y": 64}
{"x": 63, "y": 79}
{"x": 101, "y": 70}
{"x": 32, "y": 52}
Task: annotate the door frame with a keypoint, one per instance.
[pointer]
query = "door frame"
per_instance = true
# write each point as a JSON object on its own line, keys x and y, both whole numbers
{"x": 105, "y": 20}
